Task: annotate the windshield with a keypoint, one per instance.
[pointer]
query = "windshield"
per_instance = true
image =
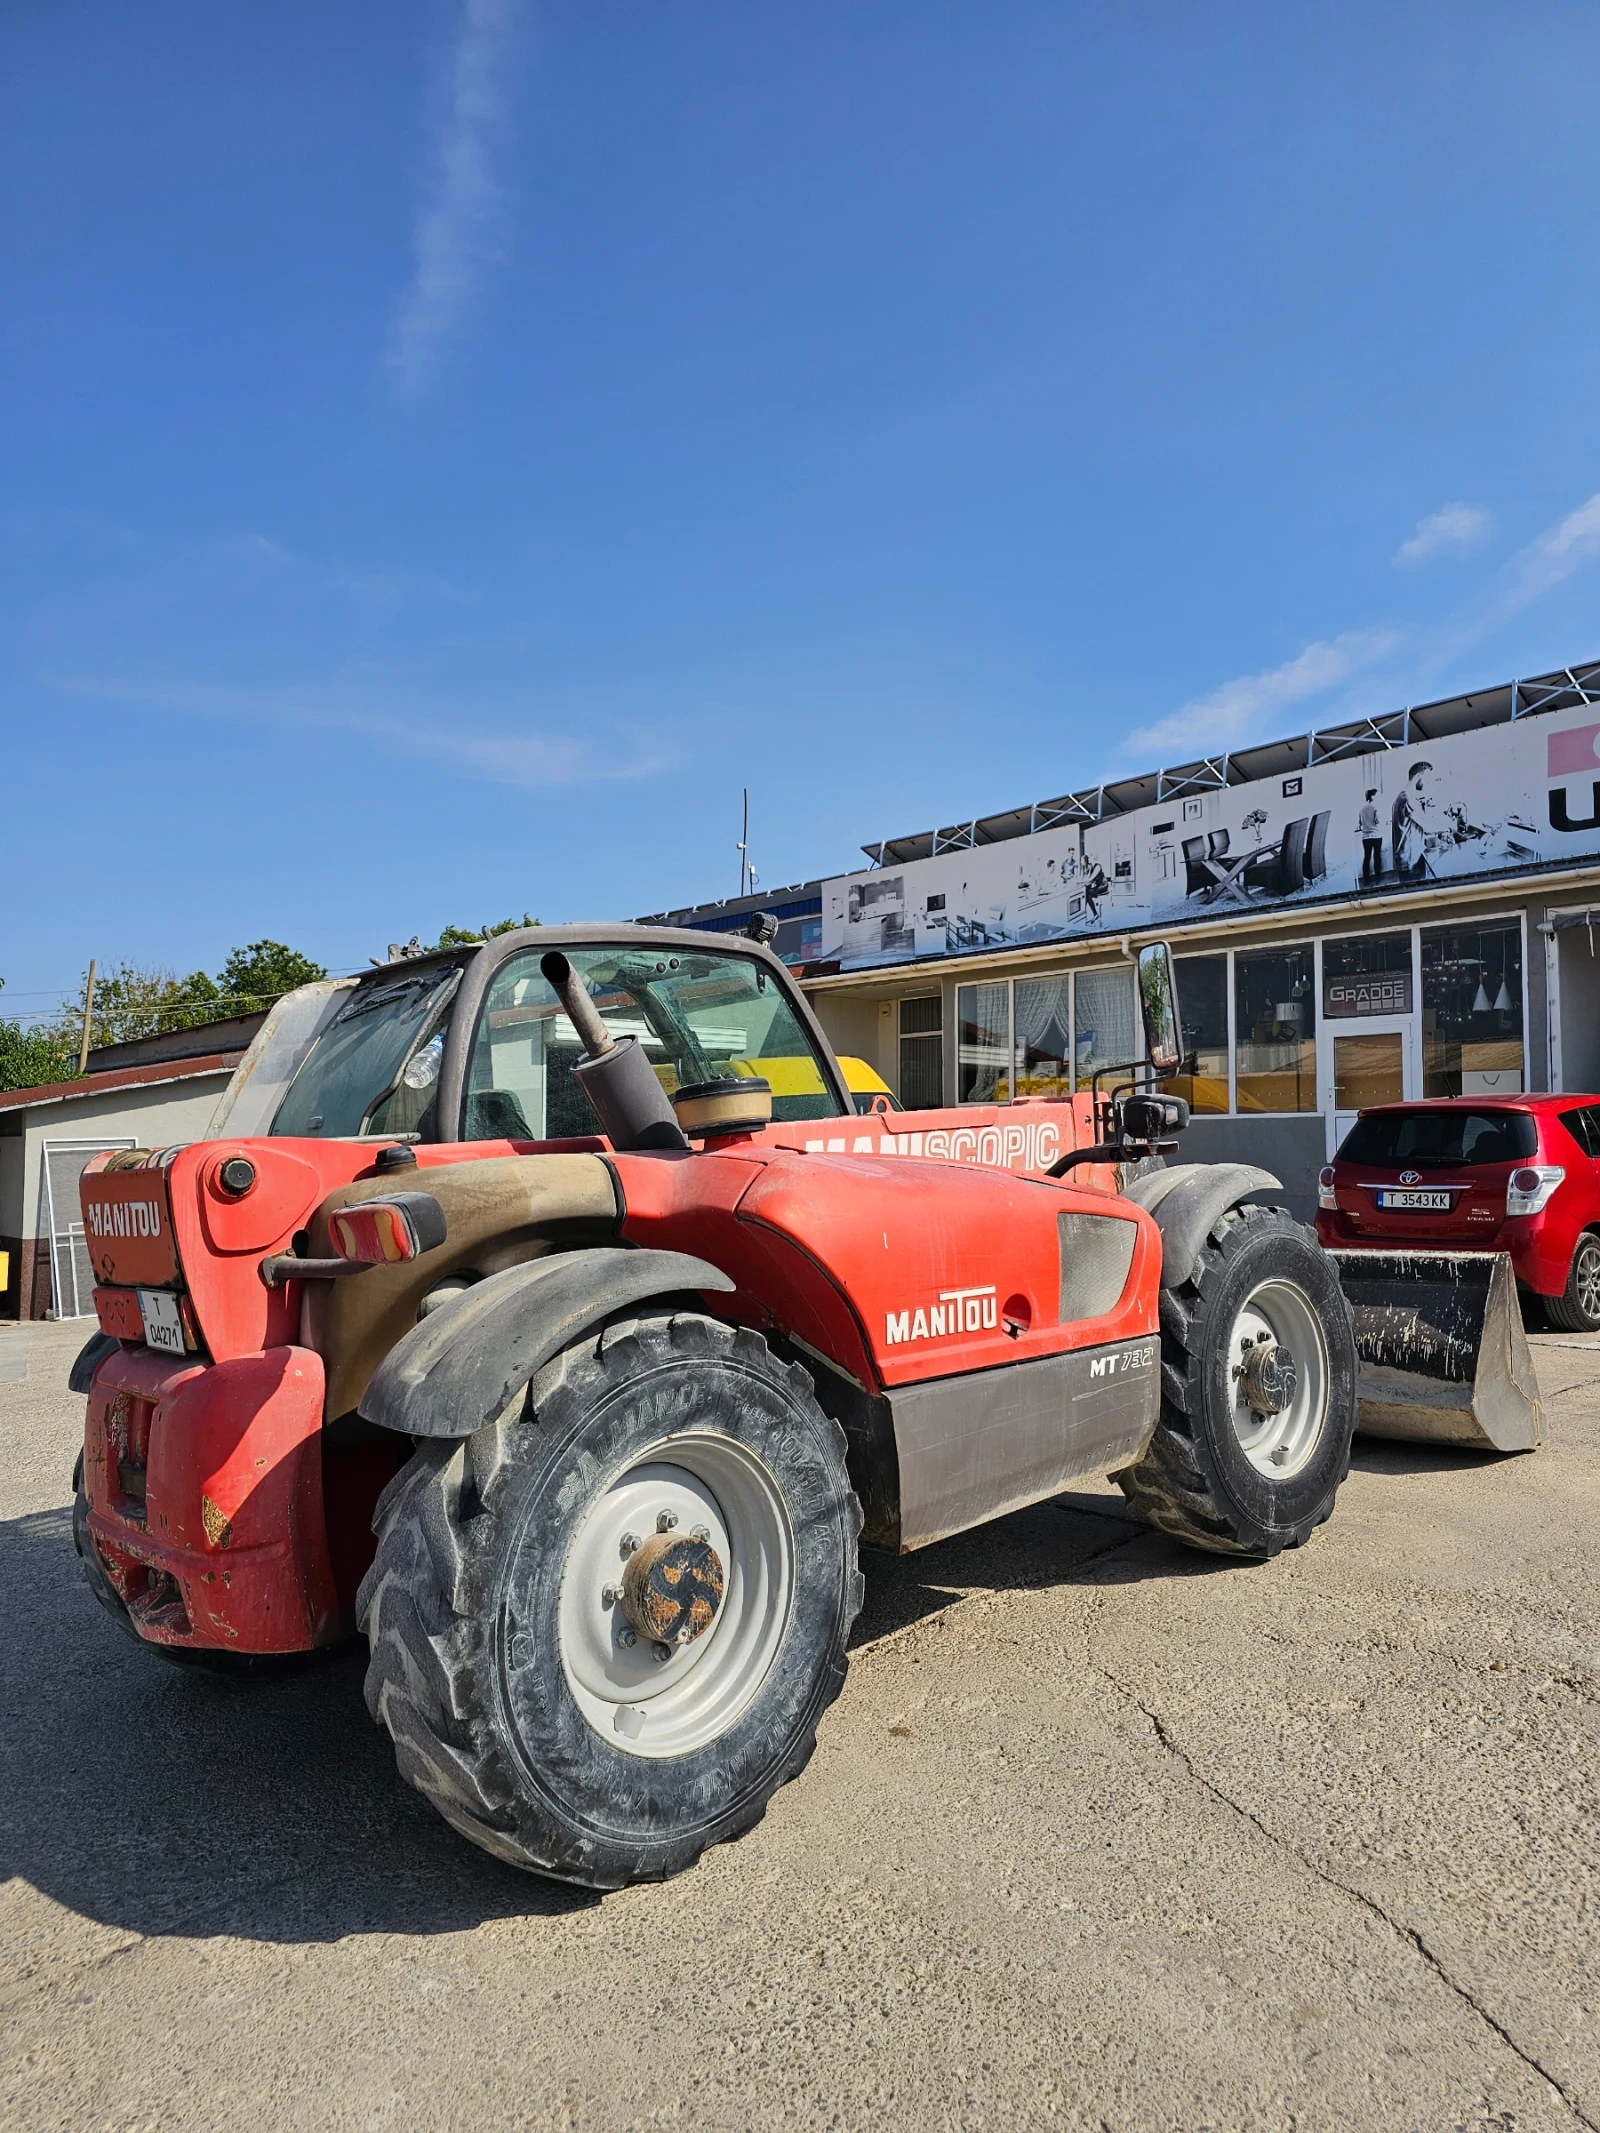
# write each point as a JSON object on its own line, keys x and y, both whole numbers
{"x": 1437, "y": 1140}
{"x": 374, "y": 1068}
{"x": 697, "y": 1017}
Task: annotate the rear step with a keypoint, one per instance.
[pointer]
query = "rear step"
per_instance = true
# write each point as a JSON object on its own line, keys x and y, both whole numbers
{"x": 1442, "y": 1355}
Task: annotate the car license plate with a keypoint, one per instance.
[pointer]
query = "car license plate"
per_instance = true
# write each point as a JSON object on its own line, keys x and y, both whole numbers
{"x": 1436, "y": 1203}
{"x": 163, "y": 1327}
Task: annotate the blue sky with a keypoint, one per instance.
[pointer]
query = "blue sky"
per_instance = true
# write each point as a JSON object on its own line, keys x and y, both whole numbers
{"x": 448, "y": 447}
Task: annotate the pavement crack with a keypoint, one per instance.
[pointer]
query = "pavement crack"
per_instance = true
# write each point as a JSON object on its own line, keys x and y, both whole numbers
{"x": 1409, "y": 1934}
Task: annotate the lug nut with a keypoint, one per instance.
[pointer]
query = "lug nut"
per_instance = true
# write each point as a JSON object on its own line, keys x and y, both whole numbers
{"x": 699, "y": 1533}
{"x": 630, "y": 1543}
{"x": 626, "y": 1636}
{"x": 665, "y": 1521}
{"x": 610, "y": 1595}
{"x": 661, "y": 1653}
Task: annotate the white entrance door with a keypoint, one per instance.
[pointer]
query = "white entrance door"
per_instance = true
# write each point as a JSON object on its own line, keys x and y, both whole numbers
{"x": 1368, "y": 1060}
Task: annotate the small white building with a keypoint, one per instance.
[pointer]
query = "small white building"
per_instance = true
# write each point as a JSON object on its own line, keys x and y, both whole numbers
{"x": 154, "y": 1093}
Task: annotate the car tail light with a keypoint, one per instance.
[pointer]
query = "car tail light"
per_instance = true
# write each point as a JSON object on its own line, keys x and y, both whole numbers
{"x": 384, "y": 1232}
{"x": 1326, "y": 1196}
{"x": 1528, "y": 1189}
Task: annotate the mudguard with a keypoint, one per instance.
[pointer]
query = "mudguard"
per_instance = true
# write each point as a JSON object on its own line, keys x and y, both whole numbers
{"x": 89, "y": 1358}
{"x": 457, "y": 1369}
{"x": 1185, "y": 1202}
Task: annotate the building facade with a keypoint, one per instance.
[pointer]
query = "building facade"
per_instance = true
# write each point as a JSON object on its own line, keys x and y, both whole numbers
{"x": 153, "y": 1092}
{"x": 1398, "y": 907}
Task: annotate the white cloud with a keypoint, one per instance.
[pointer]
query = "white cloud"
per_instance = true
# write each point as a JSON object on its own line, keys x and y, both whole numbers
{"x": 1558, "y": 552}
{"x": 1234, "y": 714}
{"x": 526, "y": 760}
{"x": 1451, "y": 526}
{"x": 457, "y": 228}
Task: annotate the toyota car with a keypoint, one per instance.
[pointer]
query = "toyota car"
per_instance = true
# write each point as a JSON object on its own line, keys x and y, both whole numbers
{"x": 1479, "y": 1173}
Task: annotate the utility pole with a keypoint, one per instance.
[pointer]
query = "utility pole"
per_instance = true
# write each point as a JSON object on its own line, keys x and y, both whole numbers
{"x": 744, "y": 842}
{"x": 88, "y": 1010}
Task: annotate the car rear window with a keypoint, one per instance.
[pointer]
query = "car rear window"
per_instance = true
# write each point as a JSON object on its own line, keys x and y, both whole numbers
{"x": 1436, "y": 1139}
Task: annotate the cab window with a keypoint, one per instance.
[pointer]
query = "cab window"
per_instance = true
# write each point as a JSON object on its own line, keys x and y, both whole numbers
{"x": 375, "y": 1067}
{"x": 697, "y": 1016}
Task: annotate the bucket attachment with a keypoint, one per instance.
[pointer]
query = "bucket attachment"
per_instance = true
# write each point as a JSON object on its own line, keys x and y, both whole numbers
{"x": 1441, "y": 1354}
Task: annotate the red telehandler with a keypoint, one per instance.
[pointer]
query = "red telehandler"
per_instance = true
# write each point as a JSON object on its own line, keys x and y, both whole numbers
{"x": 563, "y": 1264}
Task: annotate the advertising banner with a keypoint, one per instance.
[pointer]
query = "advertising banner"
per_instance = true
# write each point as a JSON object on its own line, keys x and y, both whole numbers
{"x": 1499, "y": 800}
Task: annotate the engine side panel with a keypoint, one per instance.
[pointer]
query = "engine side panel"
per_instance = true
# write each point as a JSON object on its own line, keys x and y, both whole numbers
{"x": 939, "y": 1294}
{"x": 972, "y": 1448}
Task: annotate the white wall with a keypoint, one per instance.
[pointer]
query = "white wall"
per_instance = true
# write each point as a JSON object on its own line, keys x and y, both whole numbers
{"x": 154, "y": 1117}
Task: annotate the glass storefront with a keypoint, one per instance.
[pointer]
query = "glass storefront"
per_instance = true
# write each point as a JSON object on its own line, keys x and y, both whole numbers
{"x": 1275, "y": 1030}
{"x": 1044, "y": 1036}
{"x": 1202, "y": 1078}
{"x": 922, "y": 1052}
{"x": 1367, "y": 974}
{"x": 1105, "y": 1021}
{"x": 983, "y": 1043}
{"x": 1450, "y": 995}
{"x": 1472, "y": 1036}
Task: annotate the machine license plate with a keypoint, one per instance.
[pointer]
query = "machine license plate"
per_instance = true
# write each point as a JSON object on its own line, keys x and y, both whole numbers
{"x": 1416, "y": 1202}
{"x": 163, "y": 1327}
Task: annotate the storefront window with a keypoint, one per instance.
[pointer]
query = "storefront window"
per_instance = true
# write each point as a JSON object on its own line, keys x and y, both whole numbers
{"x": 1106, "y": 1021}
{"x": 1472, "y": 1010}
{"x": 922, "y": 1053}
{"x": 1275, "y": 1035}
{"x": 1202, "y": 1076}
{"x": 983, "y": 1055}
{"x": 1367, "y": 974}
{"x": 1044, "y": 1036}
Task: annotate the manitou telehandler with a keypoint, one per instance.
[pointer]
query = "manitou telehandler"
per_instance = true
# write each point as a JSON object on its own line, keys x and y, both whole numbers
{"x": 563, "y": 1263}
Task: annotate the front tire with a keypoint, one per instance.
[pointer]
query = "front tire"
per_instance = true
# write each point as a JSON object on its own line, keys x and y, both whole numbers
{"x": 1258, "y": 1392}
{"x": 500, "y": 1606}
{"x": 1577, "y": 1308}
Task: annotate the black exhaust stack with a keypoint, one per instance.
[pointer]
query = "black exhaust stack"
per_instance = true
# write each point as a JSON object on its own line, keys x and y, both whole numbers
{"x": 633, "y": 1108}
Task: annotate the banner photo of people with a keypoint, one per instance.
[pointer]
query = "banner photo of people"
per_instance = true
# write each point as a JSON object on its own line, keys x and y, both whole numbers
{"x": 1500, "y": 799}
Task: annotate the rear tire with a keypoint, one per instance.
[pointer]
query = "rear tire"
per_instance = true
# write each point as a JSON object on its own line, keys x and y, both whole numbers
{"x": 1577, "y": 1308}
{"x": 1248, "y": 1461}
{"x": 518, "y": 1698}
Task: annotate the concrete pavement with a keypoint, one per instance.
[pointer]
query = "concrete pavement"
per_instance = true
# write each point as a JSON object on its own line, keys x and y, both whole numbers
{"x": 1100, "y": 1834}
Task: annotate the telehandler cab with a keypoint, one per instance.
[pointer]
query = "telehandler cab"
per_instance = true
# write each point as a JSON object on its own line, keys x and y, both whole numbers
{"x": 563, "y": 1264}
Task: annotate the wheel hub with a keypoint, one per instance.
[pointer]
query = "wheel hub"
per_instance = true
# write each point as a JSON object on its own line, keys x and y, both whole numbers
{"x": 672, "y": 1587}
{"x": 1268, "y": 1376}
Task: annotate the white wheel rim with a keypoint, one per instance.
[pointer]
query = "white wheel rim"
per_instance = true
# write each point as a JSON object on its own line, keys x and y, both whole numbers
{"x": 635, "y": 1702}
{"x": 1280, "y": 1445}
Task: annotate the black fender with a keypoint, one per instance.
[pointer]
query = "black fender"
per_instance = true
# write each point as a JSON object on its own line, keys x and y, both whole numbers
{"x": 1185, "y": 1202}
{"x": 89, "y": 1358}
{"x": 458, "y": 1367}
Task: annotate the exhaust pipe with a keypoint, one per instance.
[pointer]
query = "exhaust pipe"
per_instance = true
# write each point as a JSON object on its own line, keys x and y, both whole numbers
{"x": 1442, "y": 1357}
{"x": 633, "y": 1108}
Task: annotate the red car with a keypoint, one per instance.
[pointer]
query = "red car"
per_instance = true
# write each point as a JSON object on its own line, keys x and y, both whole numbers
{"x": 1518, "y": 1174}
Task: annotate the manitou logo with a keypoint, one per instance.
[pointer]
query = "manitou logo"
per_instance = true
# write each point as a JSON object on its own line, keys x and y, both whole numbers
{"x": 124, "y": 1218}
{"x": 957, "y": 1311}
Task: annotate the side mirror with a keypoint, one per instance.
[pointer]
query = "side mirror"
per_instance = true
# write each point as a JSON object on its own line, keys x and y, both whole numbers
{"x": 1158, "y": 1004}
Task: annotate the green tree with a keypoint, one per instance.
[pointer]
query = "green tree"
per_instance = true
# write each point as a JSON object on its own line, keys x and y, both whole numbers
{"x": 252, "y": 978}
{"x": 460, "y": 936}
{"x": 132, "y": 1001}
{"x": 29, "y": 1057}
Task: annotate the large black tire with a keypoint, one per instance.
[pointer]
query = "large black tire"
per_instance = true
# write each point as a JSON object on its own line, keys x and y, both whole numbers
{"x": 478, "y": 1612}
{"x": 1577, "y": 1309}
{"x": 1198, "y": 1480}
